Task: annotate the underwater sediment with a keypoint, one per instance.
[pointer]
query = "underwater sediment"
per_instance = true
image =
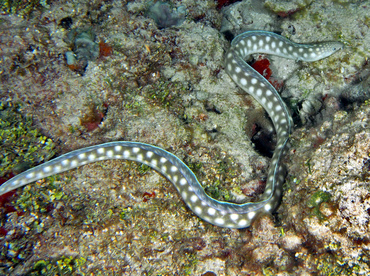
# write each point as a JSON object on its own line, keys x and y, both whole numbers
{"x": 167, "y": 86}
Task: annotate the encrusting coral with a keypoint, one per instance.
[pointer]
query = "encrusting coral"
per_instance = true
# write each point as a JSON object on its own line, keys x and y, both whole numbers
{"x": 164, "y": 16}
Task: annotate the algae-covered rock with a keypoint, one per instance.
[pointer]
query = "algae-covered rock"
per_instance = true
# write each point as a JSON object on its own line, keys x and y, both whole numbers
{"x": 168, "y": 87}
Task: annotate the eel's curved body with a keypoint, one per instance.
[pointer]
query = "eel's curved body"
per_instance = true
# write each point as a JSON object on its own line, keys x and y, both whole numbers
{"x": 219, "y": 213}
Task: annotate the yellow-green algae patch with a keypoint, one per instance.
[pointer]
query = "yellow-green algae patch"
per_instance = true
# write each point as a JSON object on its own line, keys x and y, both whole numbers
{"x": 21, "y": 144}
{"x": 21, "y": 7}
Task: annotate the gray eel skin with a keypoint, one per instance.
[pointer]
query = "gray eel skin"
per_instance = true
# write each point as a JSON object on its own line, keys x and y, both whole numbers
{"x": 223, "y": 214}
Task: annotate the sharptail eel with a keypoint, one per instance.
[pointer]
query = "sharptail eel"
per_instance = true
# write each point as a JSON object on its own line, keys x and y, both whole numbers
{"x": 223, "y": 214}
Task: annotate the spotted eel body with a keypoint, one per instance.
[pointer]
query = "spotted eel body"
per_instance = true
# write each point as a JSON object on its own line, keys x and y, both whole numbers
{"x": 224, "y": 214}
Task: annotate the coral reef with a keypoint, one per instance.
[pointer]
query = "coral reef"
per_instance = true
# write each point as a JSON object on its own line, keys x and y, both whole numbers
{"x": 85, "y": 49}
{"x": 163, "y": 15}
{"x": 168, "y": 87}
{"x": 330, "y": 180}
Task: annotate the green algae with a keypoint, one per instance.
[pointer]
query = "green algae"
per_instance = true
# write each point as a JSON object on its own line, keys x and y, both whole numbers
{"x": 190, "y": 263}
{"x": 33, "y": 204}
{"x": 22, "y": 145}
{"x": 329, "y": 265}
{"x": 316, "y": 200}
{"x": 214, "y": 190}
{"x": 62, "y": 266}
{"x": 308, "y": 164}
{"x": 37, "y": 198}
{"x": 125, "y": 214}
{"x": 22, "y": 8}
{"x": 142, "y": 168}
{"x": 268, "y": 271}
{"x": 165, "y": 92}
{"x": 160, "y": 92}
